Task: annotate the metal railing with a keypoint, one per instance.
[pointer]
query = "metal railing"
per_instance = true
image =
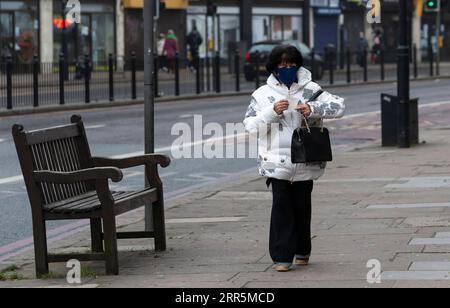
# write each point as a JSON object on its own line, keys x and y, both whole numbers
{"x": 39, "y": 84}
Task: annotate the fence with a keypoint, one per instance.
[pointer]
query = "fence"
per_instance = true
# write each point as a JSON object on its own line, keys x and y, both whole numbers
{"x": 39, "y": 84}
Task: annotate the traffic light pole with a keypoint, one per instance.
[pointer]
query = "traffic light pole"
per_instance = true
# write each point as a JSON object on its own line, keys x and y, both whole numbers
{"x": 403, "y": 78}
{"x": 306, "y": 22}
{"x": 149, "y": 99}
{"x": 438, "y": 36}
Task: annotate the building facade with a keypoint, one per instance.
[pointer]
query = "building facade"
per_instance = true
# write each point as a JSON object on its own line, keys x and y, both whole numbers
{"x": 37, "y": 27}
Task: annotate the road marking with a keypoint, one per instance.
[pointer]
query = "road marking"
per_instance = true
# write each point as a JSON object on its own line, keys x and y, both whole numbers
{"x": 416, "y": 275}
{"x": 11, "y": 179}
{"x": 357, "y": 115}
{"x": 84, "y": 286}
{"x": 203, "y": 220}
{"x": 1, "y": 140}
{"x": 443, "y": 235}
{"x": 95, "y": 126}
{"x": 185, "y": 145}
{"x": 242, "y": 195}
{"x": 357, "y": 180}
{"x": 407, "y": 206}
{"x": 429, "y": 241}
{"x": 422, "y": 182}
{"x": 430, "y": 266}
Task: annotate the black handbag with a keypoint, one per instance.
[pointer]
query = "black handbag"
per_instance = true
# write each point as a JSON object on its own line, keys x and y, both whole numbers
{"x": 311, "y": 144}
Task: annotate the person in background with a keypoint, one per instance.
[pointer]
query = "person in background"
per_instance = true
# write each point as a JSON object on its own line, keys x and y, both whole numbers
{"x": 171, "y": 49}
{"x": 363, "y": 45}
{"x": 376, "y": 50}
{"x": 194, "y": 40}
{"x": 161, "y": 57}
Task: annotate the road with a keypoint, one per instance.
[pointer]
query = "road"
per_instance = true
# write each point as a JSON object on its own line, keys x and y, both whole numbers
{"x": 119, "y": 131}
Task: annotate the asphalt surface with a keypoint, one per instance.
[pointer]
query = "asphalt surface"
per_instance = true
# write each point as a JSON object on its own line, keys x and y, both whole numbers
{"x": 119, "y": 131}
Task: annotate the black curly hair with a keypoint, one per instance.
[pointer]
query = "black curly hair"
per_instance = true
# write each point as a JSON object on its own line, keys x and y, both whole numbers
{"x": 283, "y": 54}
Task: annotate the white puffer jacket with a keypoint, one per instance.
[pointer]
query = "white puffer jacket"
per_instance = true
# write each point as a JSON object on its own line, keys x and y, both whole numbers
{"x": 275, "y": 132}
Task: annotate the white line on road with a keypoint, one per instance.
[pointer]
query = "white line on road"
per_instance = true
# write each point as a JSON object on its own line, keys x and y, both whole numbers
{"x": 1, "y": 140}
{"x": 430, "y": 266}
{"x": 416, "y": 275}
{"x": 185, "y": 145}
{"x": 95, "y": 126}
{"x": 407, "y": 206}
{"x": 11, "y": 179}
{"x": 429, "y": 241}
{"x": 203, "y": 220}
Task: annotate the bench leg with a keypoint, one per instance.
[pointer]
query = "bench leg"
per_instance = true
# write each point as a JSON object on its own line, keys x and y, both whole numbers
{"x": 159, "y": 224}
{"x": 110, "y": 238}
{"x": 40, "y": 245}
{"x": 96, "y": 235}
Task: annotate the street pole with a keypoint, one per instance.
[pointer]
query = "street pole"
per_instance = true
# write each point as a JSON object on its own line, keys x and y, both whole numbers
{"x": 403, "y": 77}
{"x": 306, "y": 22}
{"x": 438, "y": 35}
{"x": 149, "y": 100}
{"x": 64, "y": 48}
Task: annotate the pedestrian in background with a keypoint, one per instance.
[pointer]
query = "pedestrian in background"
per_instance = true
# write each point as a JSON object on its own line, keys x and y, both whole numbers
{"x": 171, "y": 49}
{"x": 194, "y": 40}
{"x": 376, "y": 49}
{"x": 363, "y": 46}
{"x": 283, "y": 105}
{"x": 161, "y": 56}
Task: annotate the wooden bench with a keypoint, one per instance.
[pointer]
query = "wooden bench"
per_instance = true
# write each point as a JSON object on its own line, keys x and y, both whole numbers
{"x": 64, "y": 182}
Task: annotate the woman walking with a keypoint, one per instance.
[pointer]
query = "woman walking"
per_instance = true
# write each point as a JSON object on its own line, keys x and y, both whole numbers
{"x": 171, "y": 49}
{"x": 275, "y": 111}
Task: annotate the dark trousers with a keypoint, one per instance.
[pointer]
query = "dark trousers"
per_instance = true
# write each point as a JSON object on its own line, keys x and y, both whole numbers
{"x": 290, "y": 228}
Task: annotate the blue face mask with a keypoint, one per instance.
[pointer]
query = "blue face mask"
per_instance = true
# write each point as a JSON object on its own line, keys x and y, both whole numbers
{"x": 288, "y": 75}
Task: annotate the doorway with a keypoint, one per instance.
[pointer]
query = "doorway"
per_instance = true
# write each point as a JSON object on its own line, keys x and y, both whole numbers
{"x": 6, "y": 34}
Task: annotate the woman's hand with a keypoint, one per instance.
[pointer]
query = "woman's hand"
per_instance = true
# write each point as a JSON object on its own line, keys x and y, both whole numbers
{"x": 305, "y": 109}
{"x": 281, "y": 106}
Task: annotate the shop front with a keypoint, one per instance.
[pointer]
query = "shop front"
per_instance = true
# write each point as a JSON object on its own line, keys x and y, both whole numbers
{"x": 19, "y": 30}
{"x": 94, "y": 36}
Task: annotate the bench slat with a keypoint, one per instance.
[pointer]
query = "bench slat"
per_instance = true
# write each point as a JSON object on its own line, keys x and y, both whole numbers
{"x": 53, "y": 133}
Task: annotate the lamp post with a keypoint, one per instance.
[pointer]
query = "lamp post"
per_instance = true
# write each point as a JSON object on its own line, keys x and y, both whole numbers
{"x": 64, "y": 48}
{"x": 403, "y": 78}
{"x": 149, "y": 99}
{"x": 306, "y": 22}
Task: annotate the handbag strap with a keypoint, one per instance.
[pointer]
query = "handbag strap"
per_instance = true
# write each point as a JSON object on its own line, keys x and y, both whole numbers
{"x": 313, "y": 98}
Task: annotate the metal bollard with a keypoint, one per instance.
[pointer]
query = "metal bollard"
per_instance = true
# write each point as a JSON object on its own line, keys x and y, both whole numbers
{"x": 197, "y": 75}
{"x": 416, "y": 73}
{"x": 349, "y": 66}
{"x": 237, "y": 69}
{"x": 87, "y": 80}
{"x": 382, "y": 63}
{"x": 133, "y": 76}
{"x": 218, "y": 85}
{"x": 177, "y": 74}
{"x": 61, "y": 79}
{"x": 35, "y": 81}
{"x": 9, "y": 72}
{"x": 313, "y": 64}
{"x": 257, "y": 69}
{"x": 365, "y": 65}
{"x": 111, "y": 77}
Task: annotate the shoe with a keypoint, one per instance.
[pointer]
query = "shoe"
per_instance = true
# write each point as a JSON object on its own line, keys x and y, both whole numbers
{"x": 301, "y": 262}
{"x": 281, "y": 268}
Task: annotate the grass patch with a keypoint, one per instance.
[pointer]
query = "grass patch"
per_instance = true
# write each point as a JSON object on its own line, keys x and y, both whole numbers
{"x": 88, "y": 272}
{"x": 51, "y": 275}
{"x": 10, "y": 274}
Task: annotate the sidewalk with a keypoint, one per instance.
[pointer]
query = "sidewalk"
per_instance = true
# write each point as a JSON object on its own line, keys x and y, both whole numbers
{"x": 387, "y": 204}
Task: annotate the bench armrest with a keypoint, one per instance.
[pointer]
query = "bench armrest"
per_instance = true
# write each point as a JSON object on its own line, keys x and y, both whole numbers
{"x": 78, "y": 176}
{"x": 130, "y": 162}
